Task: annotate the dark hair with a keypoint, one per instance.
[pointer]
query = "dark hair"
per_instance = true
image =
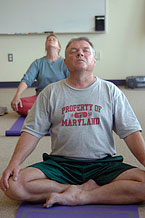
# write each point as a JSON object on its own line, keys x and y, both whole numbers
{"x": 80, "y": 39}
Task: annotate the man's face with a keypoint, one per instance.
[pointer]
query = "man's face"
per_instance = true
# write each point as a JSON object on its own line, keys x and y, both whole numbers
{"x": 80, "y": 57}
{"x": 52, "y": 41}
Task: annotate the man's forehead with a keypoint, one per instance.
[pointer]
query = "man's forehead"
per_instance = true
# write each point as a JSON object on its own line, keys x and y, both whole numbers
{"x": 79, "y": 43}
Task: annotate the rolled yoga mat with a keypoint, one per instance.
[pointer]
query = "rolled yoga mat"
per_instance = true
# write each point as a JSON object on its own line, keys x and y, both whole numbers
{"x": 87, "y": 211}
{"x": 15, "y": 130}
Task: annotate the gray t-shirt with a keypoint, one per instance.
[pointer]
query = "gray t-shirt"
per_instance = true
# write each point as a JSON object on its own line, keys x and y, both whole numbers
{"x": 81, "y": 121}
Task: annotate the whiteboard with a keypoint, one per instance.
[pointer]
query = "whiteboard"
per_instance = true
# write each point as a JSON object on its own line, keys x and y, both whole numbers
{"x": 59, "y": 16}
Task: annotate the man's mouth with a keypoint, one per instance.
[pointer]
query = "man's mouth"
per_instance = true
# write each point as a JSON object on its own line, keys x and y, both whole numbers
{"x": 81, "y": 60}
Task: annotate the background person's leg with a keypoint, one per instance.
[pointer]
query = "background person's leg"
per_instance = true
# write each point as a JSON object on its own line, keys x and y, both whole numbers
{"x": 27, "y": 104}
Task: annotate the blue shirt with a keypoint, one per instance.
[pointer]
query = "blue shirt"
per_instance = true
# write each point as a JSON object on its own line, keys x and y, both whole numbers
{"x": 45, "y": 72}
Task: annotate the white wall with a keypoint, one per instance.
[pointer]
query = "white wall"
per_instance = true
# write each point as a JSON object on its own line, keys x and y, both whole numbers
{"x": 122, "y": 47}
{"x": 18, "y": 16}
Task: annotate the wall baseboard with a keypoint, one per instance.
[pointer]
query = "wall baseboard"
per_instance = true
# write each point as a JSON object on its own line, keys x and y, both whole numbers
{"x": 15, "y": 84}
{"x": 121, "y": 82}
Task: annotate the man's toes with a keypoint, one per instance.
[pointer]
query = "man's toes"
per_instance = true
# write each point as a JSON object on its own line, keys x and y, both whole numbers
{"x": 53, "y": 199}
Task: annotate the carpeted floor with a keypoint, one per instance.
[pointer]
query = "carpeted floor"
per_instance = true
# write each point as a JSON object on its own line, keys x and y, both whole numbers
{"x": 8, "y": 208}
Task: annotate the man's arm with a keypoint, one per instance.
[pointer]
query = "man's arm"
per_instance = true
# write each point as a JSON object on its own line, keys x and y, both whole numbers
{"x": 24, "y": 147}
{"x": 136, "y": 144}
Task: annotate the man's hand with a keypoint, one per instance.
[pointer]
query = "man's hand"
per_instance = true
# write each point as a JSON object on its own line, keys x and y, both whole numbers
{"x": 11, "y": 170}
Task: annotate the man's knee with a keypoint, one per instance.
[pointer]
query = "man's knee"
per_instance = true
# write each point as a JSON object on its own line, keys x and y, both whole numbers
{"x": 134, "y": 174}
{"x": 141, "y": 191}
{"x": 15, "y": 190}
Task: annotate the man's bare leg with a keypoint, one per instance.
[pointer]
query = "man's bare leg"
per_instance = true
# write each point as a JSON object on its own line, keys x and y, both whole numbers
{"x": 33, "y": 185}
{"x": 128, "y": 188}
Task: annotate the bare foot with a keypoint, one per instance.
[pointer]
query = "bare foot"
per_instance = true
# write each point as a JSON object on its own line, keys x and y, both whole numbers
{"x": 89, "y": 185}
{"x": 72, "y": 196}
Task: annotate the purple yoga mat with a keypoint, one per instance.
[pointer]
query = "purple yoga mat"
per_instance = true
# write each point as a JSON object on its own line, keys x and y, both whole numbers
{"x": 88, "y": 211}
{"x": 15, "y": 130}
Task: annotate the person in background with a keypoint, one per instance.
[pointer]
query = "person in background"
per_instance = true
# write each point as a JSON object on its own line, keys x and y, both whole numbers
{"x": 81, "y": 113}
{"x": 46, "y": 70}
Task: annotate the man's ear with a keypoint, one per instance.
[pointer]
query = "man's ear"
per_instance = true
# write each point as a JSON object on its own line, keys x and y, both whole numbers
{"x": 95, "y": 60}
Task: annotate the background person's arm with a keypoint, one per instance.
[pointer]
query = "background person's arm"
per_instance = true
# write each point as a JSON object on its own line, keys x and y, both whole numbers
{"x": 16, "y": 100}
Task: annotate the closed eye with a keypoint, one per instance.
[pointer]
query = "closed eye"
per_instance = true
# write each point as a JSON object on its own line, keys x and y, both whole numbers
{"x": 86, "y": 50}
{"x": 73, "y": 50}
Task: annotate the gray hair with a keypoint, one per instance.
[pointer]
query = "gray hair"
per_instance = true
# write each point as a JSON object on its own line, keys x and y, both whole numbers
{"x": 80, "y": 39}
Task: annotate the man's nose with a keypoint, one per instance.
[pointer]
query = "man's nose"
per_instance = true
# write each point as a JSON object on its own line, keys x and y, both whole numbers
{"x": 80, "y": 53}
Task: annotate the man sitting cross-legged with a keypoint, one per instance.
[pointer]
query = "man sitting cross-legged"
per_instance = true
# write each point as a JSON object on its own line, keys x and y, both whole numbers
{"x": 81, "y": 112}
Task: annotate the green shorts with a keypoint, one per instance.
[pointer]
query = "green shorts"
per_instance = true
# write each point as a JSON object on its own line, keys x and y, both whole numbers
{"x": 71, "y": 171}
